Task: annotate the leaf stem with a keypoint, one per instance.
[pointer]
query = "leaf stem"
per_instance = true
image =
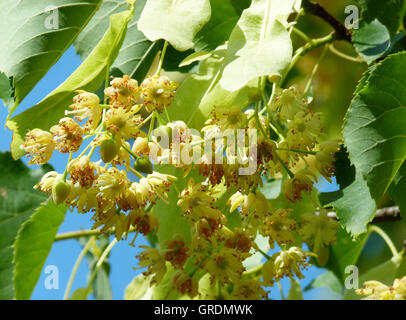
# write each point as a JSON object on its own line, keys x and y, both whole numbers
{"x": 386, "y": 238}
{"x": 76, "y": 266}
{"x": 316, "y": 67}
{"x": 161, "y": 60}
{"x": 99, "y": 264}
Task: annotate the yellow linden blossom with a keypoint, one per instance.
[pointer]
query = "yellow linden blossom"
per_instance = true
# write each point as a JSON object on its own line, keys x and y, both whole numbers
{"x": 84, "y": 199}
{"x": 243, "y": 183}
{"x": 47, "y": 181}
{"x": 325, "y": 159}
{"x": 319, "y": 230}
{"x": 144, "y": 222}
{"x": 40, "y": 146}
{"x": 155, "y": 262}
{"x": 292, "y": 188}
{"x": 289, "y": 103}
{"x": 123, "y": 157}
{"x": 113, "y": 184}
{"x": 304, "y": 130}
{"x": 255, "y": 203}
{"x": 279, "y": 227}
{"x": 68, "y": 135}
{"x": 224, "y": 266}
{"x": 123, "y": 92}
{"x": 197, "y": 202}
{"x": 176, "y": 251}
{"x": 83, "y": 171}
{"x": 228, "y": 118}
{"x": 252, "y": 121}
{"x": 249, "y": 289}
{"x": 285, "y": 263}
{"x": 184, "y": 283}
{"x": 123, "y": 123}
{"x": 158, "y": 92}
{"x": 86, "y": 105}
{"x": 111, "y": 219}
{"x": 375, "y": 290}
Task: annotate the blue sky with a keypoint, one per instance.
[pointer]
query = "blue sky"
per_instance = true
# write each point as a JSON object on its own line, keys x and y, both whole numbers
{"x": 122, "y": 258}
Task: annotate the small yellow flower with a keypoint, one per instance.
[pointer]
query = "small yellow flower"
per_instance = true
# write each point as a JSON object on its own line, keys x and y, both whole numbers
{"x": 157, "y": 92}
{"x": 279, "y": 227}
{"x": 375, "y": 290}
{"x": 197, "y": 202}
{"x": 224, "y": 266}
{"x": 86, "y": 105}
{"x": 285, "y": 263}
{"x": 185, "y": 284}
{"x": 325, "y": 159}
{"x": 176, "y": 251}
{"x": 83, "y": 171}
{"x": 155, "y": 262}
{"x": 249, "y": 289}
{"x": 255, "y": 203}
{"x": 40, "y": 146}
{"x": 228, "y": 118}
{"x": 68, "y": 135}
{"x": 47, "y": 181}
{"x": 123, "y": 92}
{"x": 292, "y": 188}
{"x": 113, "y": 184}
{"x": 304, "y": 130}
{"x": 123, "y": 123}
{"x": 289, "y": 103}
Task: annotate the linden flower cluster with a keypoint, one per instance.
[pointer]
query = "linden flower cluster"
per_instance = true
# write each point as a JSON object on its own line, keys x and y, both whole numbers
{"x": 225, "y": 208}
{"x": 106, "y": 188}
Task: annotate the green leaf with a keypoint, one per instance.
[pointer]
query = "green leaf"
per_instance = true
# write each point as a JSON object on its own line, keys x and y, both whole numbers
{"x": 138, "y": 289}
{"x": 175, "y": 21}
{"x": 164, "y": 290}
{"x": 345, "y": 252}
{"x": 259, "y": 45}
{"x": 295, "y": 291}
{"x": 327, "y": 280}
{"x": 371, "y": 40}
{"x": 33, "y": 245}
{"x": 38, "y": 37}
{"x": 272, "y": 189}
{"x": 136, "y": 53}
{"x": 397, "y": 190}
{"x": 6, "y": 91}
{"x": 186, "y": 104}
{"x": 389, "y": 12}
{"x": 170, "y": 215}
{"x": 374, "y": 129}
{"x": 352, "y": 203}
{"x": 101, "y": 284}
{"x": 18, "y": 201}
{"x": 224, "y": 17}
{"x": 256, "y": 258}
{"x": 385, "y": 273}
{"x": 196, "y": 56}
{"x": 79, "y": 294}
{"x": 89, "y": 76}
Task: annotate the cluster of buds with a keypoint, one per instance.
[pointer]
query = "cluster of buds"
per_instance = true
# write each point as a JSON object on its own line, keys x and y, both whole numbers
{"x": 240, "y": 146}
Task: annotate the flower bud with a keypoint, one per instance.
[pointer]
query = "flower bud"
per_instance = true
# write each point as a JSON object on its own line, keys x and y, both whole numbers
{"x": 144, "y": 165}
{"x": 60, "y": 191}
{"x": 108, "y": 150}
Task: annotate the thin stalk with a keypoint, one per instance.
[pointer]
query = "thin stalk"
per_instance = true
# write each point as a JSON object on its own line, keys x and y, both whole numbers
{"x": 345, "y": 56}
{"x": 76, "y": 266}
{"x": 298, "y": 151}
{"x": 387, "y": 240}
{"x": 99, "y": 264}
{"x": 316, "y": 67}
{"x": 161, "y": 61}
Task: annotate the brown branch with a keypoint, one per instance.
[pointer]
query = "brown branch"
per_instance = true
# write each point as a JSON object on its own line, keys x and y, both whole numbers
{"x": 341, "y": 32}
{"x": 390, "y": 214}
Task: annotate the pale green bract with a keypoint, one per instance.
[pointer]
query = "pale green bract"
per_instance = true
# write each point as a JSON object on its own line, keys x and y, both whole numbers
{"x": 176, "y": 21}
{"x": 259, "y": 45}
